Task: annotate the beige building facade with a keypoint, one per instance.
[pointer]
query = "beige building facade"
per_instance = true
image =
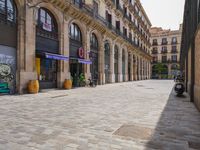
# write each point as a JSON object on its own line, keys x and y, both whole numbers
{"x": 56, "y": 40}
{"x": 166, "y": 45}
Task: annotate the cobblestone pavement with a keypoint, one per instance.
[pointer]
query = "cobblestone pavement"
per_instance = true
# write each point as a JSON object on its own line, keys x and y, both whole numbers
{"x": 140, "y": 115}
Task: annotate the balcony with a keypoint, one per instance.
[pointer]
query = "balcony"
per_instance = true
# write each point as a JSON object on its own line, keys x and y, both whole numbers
{"x": 155, "y": 43}
{"x": 174, "y": 42}
{"x": 88, "y": 10}
{"x": 174, "y": 51}
{"x": 174, "y": 61}
{"x": 165, "y": 61}
{"x": 154, "y": 52}
{"x": 164, "y": 43}
{"x": 163, "y": 51}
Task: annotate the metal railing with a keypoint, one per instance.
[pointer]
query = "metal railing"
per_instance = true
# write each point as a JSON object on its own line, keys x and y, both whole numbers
{"x": 102, "y": 20}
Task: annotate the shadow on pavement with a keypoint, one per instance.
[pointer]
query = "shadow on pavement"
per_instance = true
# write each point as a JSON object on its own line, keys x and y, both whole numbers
{"x": 178, "y": 127}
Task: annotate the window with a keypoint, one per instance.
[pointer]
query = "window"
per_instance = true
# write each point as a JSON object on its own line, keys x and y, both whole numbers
{"x": 174, "y": 49}
{"x": 155, "y": 42}
{"x": 164, "y": 49}
{"x": 164, "y": 41}
{"x": 155, "y": 59}
{"x": 164, "y": 58}
{"x": 94, "y": 42}
{"x": 75, "y": 33}
{"x": 125, "y": 31}
{"x": 155, "y": 50}
{"x": 174, "y": 58}
{"x": 96, "y": 8}
{"x": 7, "y": 10}
{"x": 174, "y": 40}
{"x": 46, "y": 21}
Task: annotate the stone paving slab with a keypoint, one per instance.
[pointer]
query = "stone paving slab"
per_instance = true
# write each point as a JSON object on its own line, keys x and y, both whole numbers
{"x": 89, "y": 118}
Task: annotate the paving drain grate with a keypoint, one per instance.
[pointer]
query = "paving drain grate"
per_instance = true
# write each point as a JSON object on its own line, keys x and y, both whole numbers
{"x": 134, "y": 131}
{"x": 58, "y": 96}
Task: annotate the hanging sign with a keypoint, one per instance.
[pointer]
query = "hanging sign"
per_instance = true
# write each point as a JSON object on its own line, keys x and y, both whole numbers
{"x": 81, "y": 52}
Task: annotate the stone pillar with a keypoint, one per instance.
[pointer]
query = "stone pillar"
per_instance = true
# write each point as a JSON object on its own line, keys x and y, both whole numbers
{"x": 120, "y": 65}
{"x": 112, "y": 72}
{"x": 132, "y": 69}
{"x": 126, "y": 65}
{"x": 101, "y": 63}
{"x": 26, "y": 50}
{"x": 136, "y": 68}
{"x": 87, "y": 49}
{"x": 139, "y": 68}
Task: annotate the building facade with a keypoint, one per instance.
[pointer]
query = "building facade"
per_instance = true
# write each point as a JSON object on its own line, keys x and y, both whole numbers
{"x": 166, "y": 45}
{"x": 54, "y": 40}
{"x": 190, "y": 51}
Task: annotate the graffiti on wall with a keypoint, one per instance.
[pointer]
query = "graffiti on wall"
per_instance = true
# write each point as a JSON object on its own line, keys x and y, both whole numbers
{"x": 7, "y": 71}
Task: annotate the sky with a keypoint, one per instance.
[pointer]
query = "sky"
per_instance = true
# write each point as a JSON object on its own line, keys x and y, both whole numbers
{"x": 167, "y": 14}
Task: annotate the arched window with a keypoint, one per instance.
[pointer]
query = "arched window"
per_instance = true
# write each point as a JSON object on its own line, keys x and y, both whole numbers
{"x": 46, "y": 21}
{"x": 7, "y": 10}
{"x": 94, "y": 42}
{"x": 75, "y": 33}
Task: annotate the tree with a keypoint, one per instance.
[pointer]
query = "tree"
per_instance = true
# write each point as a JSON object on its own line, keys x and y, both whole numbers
{"x": 160, "y": 69}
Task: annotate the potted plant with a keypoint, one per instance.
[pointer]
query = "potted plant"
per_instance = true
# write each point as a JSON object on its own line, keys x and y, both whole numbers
{"x": 81, "y": 80}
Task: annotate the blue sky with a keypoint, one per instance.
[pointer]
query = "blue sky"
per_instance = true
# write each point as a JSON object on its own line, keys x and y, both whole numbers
{"x": 167, "y": 14}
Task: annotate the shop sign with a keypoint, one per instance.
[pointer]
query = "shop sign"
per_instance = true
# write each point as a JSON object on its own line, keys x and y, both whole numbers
{"x": 81, "y": 52}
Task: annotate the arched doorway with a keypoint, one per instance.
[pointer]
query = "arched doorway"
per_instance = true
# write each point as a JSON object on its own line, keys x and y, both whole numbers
{"x": 107, "y": 61}
{"x": 76, "y": 53}
{"x": 94, "y": 69}
{"x": 47, "y": 45}
{"x": 8, "y": 46}
{"x": 123, "y": 65}
{"x": 116, "y": 58}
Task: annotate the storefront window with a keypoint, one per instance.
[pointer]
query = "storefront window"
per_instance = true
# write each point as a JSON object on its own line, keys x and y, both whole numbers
{"x": 75, "y": 33}
{"x": 46, "y": 21}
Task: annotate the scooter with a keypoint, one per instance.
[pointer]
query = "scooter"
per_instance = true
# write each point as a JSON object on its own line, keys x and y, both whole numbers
{"x": 179, "y": 87}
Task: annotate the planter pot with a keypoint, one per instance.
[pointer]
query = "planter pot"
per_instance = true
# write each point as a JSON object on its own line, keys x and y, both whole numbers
{"x": 68, "y": 84}
{"x": 33, "y": 86}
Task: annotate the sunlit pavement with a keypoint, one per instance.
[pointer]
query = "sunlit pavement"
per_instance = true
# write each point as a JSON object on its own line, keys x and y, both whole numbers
{"x": 137, "y": 115}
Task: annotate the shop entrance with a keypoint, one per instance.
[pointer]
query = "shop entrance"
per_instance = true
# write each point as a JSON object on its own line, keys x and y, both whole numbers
{"x": 48, "y": 73}
{"x": 76, "y": 69}
{"x": 47, "y": 49}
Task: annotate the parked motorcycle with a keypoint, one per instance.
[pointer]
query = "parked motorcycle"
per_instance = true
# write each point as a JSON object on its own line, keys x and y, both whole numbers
{"x": 179, "y": 87}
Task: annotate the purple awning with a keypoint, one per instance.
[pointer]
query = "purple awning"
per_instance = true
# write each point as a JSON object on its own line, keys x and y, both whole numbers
{"x": 84, "y": 61}
{"x": 56, "y": 56}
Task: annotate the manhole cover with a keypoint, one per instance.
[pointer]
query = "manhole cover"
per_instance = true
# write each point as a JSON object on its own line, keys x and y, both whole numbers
{"x": 134, "y": 131}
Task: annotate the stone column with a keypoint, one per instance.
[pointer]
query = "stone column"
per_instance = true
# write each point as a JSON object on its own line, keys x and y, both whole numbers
{"x": 136, "y": 67}
{"x": 112, "y": 72}
{"x": 139, "y": 68}
{"x": 132, "y": 69}
{"x": 66, "y": 50}
{"x": 26, "y": 50}
{"x": 101, "y": 63}
{"x": 120, "y": 65}
{"x": 87, "y": 49}
{"x": 126, "y": 65}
